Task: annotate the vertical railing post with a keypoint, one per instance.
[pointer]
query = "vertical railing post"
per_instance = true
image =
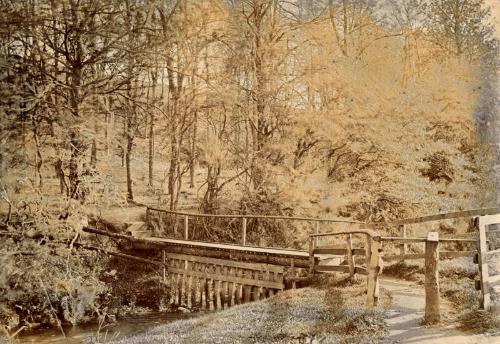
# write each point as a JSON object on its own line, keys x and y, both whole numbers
{"x": 373, "y": 272}
{"x": 317, "y": 232}
{"x": 186, "y": 227}
{"x": 402, "y": 247}
{"x": 164, "y": 266}
{"x": 350, "y": 257}
{"x": 244, "y": 232}
{"x": 432, "y": 298}
{"x": 312, "y": 240}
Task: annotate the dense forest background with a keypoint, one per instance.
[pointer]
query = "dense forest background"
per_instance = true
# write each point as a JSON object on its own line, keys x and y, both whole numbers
{"x": 362, "y": 109}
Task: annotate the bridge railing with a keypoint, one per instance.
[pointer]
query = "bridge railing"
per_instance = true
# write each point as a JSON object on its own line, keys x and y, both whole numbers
{"x": 370, "y": 253}
{"x": 239, "y": 229}
{"x": 409, "y": 225}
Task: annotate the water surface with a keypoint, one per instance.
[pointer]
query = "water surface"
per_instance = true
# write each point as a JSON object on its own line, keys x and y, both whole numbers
{"x": 124, "y": 327}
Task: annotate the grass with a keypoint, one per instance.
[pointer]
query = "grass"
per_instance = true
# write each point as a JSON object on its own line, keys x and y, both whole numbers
{"x": 331, "y": 315}
{"x": 479, "y": 321}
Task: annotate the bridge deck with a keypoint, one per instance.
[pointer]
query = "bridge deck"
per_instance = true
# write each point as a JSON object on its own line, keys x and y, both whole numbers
{"x": 230, "y": 247}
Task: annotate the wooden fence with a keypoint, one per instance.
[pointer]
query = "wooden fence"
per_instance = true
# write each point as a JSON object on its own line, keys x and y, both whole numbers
{"x": 211, "y": 283}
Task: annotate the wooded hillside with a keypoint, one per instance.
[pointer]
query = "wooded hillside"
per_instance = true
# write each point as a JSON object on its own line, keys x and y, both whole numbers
{"x": 356, "y": 108}
{"x": 362, "y": 109}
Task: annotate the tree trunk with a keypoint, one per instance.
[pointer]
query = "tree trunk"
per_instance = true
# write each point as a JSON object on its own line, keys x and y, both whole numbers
{"x": 128, "y": 154}
{"x": 38, "y": 154}
{"x": 93, "y": 154}
{"x": 193, "y": 157}
{"x": 151, "y": 151}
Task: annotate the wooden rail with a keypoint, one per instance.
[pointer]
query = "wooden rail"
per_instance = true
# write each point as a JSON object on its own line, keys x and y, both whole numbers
{"x": 371, "y": 253}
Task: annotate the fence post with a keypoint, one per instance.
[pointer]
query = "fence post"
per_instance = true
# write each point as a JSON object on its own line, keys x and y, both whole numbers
{"x": 432, "y": 298}
{"x": 311, "y": 255}
{"x": 244, "y": 232}
{"x": 402, "y": 247}
{"x": 373, "y": 271}
{"x": 483, "y": 266}
{"x": 350, "y": 257}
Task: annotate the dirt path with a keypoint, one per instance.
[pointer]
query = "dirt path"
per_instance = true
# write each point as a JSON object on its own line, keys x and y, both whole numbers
{"x": 407, "y": 312}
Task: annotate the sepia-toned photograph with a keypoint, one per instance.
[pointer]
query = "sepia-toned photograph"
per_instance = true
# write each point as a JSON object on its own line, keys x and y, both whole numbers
{"x": 250, "y": 171}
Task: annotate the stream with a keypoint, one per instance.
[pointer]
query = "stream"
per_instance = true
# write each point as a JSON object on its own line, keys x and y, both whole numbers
{"x": 124, "y": 327}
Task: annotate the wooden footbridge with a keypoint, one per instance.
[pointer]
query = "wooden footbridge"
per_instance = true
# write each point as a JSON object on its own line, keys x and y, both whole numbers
{"x": 216, "y": 275}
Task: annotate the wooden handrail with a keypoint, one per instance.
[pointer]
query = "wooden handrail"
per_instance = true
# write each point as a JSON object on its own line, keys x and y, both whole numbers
{"x": 372, "y": 225}
{"x": 369, "y": 232}
{"x": 421, "y": 240}
{"x": 438, "y": 217}
{"x": 250, "y": 216}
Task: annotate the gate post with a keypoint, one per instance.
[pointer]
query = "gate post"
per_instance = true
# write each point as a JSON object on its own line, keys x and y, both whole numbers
{"x": 432, "y": 298}
{"x": 373, "y": 267}
{"x": 483, "y": 265}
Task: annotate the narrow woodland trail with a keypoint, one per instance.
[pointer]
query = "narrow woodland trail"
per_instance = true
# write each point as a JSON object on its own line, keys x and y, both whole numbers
{"x": 407, "y": 312}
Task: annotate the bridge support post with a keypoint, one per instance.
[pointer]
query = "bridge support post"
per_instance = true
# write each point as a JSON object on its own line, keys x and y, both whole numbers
{"x": 432, "y": 298}
{"x": 373, "y": 272}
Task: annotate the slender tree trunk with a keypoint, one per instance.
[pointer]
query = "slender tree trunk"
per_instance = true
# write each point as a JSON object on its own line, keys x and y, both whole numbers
{"x": 345, "y": 4}
{"x": 128, "y": 156}
{"x": 38, "y": 154}
{"x": 193, "y": 157}
{"x": 151, "y": 146}
{"x": 151, "y": 152}
{"x": 93, "y": 154}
